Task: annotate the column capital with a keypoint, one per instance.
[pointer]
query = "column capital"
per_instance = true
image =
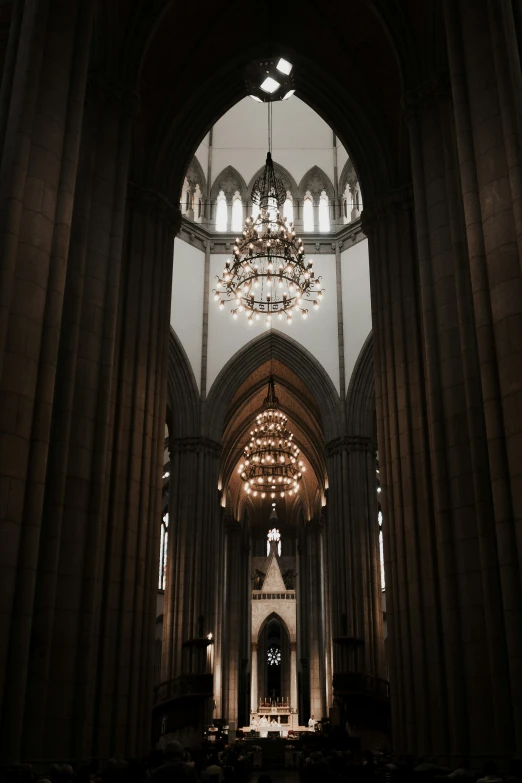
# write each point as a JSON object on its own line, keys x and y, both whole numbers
{"x": 254, "y": 646}
{"x": 231, "y": 524}
{"x": 426, "y": 93}
{"x": 151, "y": 202}
{"x": 101, "y": 87}
{"x": 317, "y": 524}
{"x": 350, "y": 443}
{"x": 293, "y": 647}
{"x": 197, "y": 444}
{"x": 398, "y": 200}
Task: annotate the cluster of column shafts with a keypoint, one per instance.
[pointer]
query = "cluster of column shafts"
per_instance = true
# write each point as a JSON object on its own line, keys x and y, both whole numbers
{"x": 446, "y": 285}
{"x": 86, "y": 263}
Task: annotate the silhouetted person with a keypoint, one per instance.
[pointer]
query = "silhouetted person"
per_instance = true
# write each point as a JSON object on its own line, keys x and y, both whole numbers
{"x": 490, "y": 773}
{"x": 174, "y": 769}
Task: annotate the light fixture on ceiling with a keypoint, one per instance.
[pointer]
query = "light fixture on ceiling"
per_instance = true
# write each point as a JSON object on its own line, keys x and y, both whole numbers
{"x": 271, "y": 79}
{"x": 270, "y": 85}
{"x": 271, "y": 465}
{"x": 268, "y": 274}
{"x": 284, "y": 66}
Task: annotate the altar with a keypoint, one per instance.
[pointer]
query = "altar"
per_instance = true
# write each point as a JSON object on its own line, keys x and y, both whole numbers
{"x": 274, "y": 719}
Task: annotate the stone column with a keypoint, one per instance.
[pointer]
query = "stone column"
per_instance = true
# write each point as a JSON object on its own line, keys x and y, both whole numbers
{"x": 254, "y": 699}
{"x": 353, "y": 558}
{"x": 80, "y": 417}
{"x": 232, "y": 618}
{"x": 293, "y": 675}
{"x": 354, "y": 213}
{"x": 316, "y": 199}
{"x": 196, "y": 553}
{"x": 440, "y": 315}
{"x": 315, "y": 611}
{"x": 486, "y": 81}
{"x": 43, "y": 89}
{"x": 415, "y": 638}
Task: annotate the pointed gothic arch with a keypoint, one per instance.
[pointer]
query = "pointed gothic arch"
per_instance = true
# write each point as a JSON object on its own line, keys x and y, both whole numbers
{"x": 258, "y": 351}
{"x": 182, "y": 392}
{"x": 282, "y": 174}
{"x": 360, "y": 398}
{"x": 268, "y": 618}
{"x": 196, "y": 176}
{"x": 229, "y": 181}
{"x": 315, "y": 181}
{"x": 348, "y": 176}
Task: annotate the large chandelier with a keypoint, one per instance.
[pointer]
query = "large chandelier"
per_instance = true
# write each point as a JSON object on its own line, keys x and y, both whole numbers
{"x": 271, "y": 464}
{"x": 268, "y": 275}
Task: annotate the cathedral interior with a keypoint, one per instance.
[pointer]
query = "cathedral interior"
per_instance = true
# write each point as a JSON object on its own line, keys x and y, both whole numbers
{"x": 260, "y": 376}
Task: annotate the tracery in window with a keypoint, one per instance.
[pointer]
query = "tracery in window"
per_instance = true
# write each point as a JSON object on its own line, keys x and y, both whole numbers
{"x": 324, "y": 213}
{"x": 237, "y": 213}
{"x": 273, "y": 535}
{"x": 164, "y": 540}
{"x": 221, "y": 212}
{"x": 288, "y": 208}
{"x": 308, "y": 213}
{"x": 274, "y": 656}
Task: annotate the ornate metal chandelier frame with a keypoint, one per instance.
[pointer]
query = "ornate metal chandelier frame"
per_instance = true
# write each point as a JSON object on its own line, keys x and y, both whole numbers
{"x": 271, "y": 465}
{"x": 269, "y": 275}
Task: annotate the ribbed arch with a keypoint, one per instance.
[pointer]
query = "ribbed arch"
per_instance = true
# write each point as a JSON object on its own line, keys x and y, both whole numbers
{"x": 255, "y": 353}
{"x": 310, "y": 446}
{"x": 183, "y": 398}
{"x": 360, "y": 398}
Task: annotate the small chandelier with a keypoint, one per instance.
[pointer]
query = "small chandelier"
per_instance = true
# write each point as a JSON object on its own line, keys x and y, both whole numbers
{"x": 268, "y": 276}
{"x": 271, "y": 464}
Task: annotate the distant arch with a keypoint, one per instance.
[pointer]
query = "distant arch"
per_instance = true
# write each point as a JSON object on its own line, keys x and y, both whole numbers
{"x": 255, "y": 353}
{"x": 262, "y": 621}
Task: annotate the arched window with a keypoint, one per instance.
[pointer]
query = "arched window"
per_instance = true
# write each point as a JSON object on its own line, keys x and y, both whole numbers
{"x": 221, "y": 212}
{"x": 381, "y": 550}
{"x": 164, "y": 541}
{"x": 324, "y": 213}
{"x": 273, "y": 535}
{"x": 288, "y": 208}
{"x": 198, "y": 204}
{"x": 348, "y": 204}
{"x": 237, "y": 213}
{"x": 308, "y": 213}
